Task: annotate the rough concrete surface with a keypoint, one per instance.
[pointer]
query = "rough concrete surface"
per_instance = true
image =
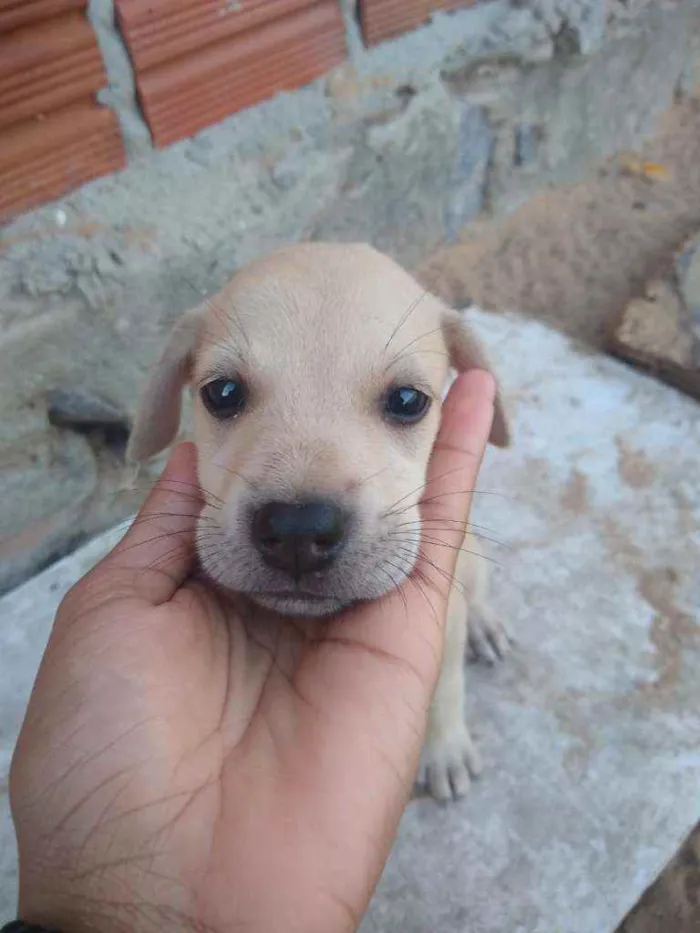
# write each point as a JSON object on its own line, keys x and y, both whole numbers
{"x": 401, "y": 147}
{"x": 591, "y": 731}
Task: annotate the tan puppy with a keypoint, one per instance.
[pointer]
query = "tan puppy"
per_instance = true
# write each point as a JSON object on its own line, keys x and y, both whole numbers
{"x": 318, "y": 375}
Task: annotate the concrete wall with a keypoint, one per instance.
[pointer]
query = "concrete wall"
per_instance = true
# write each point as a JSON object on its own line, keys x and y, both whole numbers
{"x": 403, "y": 146}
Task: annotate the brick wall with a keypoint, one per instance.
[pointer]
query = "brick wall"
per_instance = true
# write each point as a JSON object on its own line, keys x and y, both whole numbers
{"x": 385, "y": 19}
{"x": 53, "y": 134}
{"x": 194, "y": 63}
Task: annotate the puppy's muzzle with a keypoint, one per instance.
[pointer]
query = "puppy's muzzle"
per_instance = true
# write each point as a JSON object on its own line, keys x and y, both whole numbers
{"x": 299, "y": 538}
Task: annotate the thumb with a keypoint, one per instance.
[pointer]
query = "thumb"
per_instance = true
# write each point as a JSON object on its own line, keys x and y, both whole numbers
{"x": 452, "y": 473}
{"x": 158, "y": 550}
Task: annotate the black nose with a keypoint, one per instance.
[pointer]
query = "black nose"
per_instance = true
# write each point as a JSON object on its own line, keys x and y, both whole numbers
{"x": 299, "y": 537}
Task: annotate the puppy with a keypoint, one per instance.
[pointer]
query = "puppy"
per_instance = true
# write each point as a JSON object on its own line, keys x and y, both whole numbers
{"x": 317, "y": 377}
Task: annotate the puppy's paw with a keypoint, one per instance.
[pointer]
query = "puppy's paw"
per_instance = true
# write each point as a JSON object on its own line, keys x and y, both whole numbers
{"x": 489, "y": 638}
{"x": 447, "y": 765}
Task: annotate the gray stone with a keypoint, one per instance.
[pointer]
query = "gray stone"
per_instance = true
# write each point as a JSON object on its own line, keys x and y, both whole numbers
{"x": 89, "y": 414}
{"x": 661, "y": 330}
{"x": 77, "y": 408}
{"x": 527, "y": 143}
{"x": 590, "y": 731}
{"x": 470, "y": 174}
{"x": 422, "y": 173}
{"x": 688, "y": 272}
{"x": 689, "y": 83}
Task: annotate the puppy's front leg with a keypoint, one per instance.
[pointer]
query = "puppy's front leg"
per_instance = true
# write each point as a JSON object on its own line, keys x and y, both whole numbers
{"x": 489, "y": 637}
{"x": 449, "y": 756}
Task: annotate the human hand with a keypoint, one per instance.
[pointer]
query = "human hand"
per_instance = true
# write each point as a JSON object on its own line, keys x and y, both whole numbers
{"x": 189, "y": 763}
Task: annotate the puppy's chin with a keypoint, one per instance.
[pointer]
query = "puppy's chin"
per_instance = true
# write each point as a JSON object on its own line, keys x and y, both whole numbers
{"x": 300, "y": 605}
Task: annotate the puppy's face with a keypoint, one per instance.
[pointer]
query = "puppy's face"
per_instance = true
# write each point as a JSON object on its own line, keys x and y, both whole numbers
{"x": 317, "y": 377}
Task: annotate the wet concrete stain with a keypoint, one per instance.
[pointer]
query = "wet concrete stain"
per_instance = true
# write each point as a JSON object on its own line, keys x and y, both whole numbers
{"x": 671, "y": 630}
{"x": 619, "y": 543}
{"x": 575, "y": 495}
{"x": 635, "y": 470}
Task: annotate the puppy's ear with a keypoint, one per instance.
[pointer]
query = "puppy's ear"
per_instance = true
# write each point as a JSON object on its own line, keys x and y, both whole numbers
{"x": 158, "y": 417}
{"x": 466, "y": 353}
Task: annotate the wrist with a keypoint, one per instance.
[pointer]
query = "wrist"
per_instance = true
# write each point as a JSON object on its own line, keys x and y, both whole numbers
{"x": 116, "y": 898}
{"x": 19, "y": 926}
{"x": 81, "y": 913}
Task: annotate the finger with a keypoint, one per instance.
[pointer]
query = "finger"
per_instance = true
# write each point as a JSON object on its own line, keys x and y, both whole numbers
{"x": 375, "y": 668}
{"x": 454, "y": 465}
{"x": 388, "y": 626}
{"x": 158, "y": 550}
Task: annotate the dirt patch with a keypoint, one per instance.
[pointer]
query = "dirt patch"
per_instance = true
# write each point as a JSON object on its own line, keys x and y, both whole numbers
{"x": 634, "y": 468}
{"x": 671, "y": 628}
{"x": 575, "y": 257}
{"x": 574, "y": 498}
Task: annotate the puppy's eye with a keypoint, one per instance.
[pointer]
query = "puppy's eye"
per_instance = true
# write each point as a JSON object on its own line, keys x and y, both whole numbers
{"x": 223, "y": 398}
{"x": 406, "y": 404}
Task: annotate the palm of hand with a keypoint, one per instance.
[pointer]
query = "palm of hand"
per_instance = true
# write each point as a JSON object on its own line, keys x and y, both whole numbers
{"x": 213, "y": 740}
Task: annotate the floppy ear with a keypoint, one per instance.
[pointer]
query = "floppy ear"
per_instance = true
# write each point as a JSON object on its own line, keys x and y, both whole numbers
{"x": 466, "y": 353}
{"x": 158, "y": 417}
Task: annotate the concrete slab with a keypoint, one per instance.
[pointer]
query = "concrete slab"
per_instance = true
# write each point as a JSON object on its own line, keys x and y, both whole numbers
{"x": 591, "y": 732}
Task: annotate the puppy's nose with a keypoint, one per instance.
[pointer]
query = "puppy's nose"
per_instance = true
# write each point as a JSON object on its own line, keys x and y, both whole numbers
{"x": 299, "y": 537}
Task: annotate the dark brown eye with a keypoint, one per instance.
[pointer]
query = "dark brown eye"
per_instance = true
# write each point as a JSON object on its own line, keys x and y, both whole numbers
{"x": 223, "y": 398}
{"x": 406, "y": 404}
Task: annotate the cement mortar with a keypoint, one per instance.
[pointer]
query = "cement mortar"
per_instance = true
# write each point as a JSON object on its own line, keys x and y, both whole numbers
{"x": 402, "y": 147}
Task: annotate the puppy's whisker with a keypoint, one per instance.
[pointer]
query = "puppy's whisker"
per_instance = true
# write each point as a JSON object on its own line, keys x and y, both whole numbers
{"x": 428, "y": 333}
{"x": 183, "y": 494}
{"x": 170, "y": 513}
{"x": 422, "y": 583}
{"x": 404, "y": 317}
{"x": 424, "y": 562}
{"x": 414, "y": 579}
{"x": 396, "y": 585}
{"x": 438, "y": 542}
{"x": 216, "y": 341}
{"x": 443, "y": 524}
{"x": 183, "y": 484}
{"x": 166, "y": 535}
{"x": 163, "y": 559}
{"x": 424, "y": 486}
{"x": 372, "y": 476}
{"x": 156, "y": 519}
{"x": 246, "y": 479}
{"x": 192, "y": 492}
{"x": 423, "y": 558}
{"x": 225, "y": 317}
{"x": 407, "y": 355}
{"x": 437, "y": 498}
{"x": 418, "y": 489}
{"x": 191, "y": 505}
{"x": 408, "y": 578}
{"x": 418, "y": 574}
